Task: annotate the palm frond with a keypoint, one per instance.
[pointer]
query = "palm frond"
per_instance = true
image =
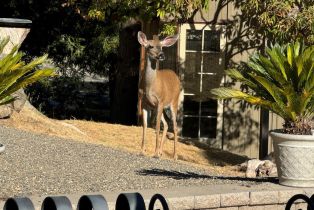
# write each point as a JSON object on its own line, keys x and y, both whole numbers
{"x": 277, "y": 60}
{"x": 237, "y": 75}
{"x": 7, "y": 100}
{"x": 15, "y": 74}
{"x": 3, "y": 43}
{"x": 282, "y": 81}
{"x": 229, "y": 93}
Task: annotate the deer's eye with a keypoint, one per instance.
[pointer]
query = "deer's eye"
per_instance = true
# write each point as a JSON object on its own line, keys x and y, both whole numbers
{"x": 150, "y": 47}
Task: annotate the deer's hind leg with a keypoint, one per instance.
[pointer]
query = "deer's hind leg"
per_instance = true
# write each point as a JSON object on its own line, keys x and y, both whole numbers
{"x": 174, "y": 109}
{"x": 144, "y": 117}
{"x": 164, "y": 132}
{"x": 158, "y": 118}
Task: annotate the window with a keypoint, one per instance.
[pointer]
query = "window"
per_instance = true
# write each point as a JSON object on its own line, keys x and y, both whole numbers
{"x": 203, "y": 70}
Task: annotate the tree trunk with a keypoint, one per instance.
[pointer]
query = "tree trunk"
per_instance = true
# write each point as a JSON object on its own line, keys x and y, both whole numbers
{"x": 126, "y": 82}
{"x": 125, "y": 79}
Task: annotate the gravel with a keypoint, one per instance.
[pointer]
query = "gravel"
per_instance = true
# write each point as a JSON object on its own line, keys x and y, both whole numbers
{"x": 35, "y": 164}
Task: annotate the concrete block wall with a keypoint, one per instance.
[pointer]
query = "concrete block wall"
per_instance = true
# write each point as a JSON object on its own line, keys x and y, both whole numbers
{"x": 210, "y": 197}
{"x": 254, "y": 200}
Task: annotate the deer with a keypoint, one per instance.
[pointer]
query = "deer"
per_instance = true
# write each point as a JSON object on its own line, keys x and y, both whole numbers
{"x": 160, "y": 89}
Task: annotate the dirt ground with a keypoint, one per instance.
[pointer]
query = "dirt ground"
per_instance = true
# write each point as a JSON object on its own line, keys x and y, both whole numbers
{"x": 123, "y": 138}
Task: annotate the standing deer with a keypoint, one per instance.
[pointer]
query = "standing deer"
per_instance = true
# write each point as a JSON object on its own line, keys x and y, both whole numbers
{"x": 160, "y": 89}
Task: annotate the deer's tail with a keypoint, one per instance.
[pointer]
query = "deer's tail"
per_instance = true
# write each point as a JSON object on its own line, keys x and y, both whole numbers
{"x": 181, "y": 97}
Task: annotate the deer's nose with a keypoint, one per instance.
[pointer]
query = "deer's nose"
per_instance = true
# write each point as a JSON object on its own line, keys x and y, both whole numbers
{"x": 161, "y": 56}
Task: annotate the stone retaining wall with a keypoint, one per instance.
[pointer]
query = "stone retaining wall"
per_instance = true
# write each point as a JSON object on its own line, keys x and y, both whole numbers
{"x": 224, "y": 199}
{"x": 240, "y": 200}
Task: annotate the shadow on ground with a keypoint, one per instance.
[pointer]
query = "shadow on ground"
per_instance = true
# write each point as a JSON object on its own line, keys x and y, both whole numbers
{"x": 216, "y": 156}
{"x": 191, "y": 175}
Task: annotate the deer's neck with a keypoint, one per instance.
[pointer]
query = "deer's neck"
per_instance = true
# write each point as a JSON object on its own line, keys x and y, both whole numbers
{"x": 152, "y": 67}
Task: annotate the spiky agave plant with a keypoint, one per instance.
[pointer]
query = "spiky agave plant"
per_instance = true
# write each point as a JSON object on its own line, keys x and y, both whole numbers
{"x": 16, "y": 74}
{"x": 282, "y": 82}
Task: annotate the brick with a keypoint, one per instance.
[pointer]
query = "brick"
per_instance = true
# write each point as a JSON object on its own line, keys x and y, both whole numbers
{"x": 207, "y": 201}
{"x": 285, "y": 195}
{"x": 276, "y": 207}
{"x": 273, "y": 207}
{"x": 235, "y": 199}
{"x": 181, "y": 203}
{"x": 251, "y": 208}
{"x": 228, "y": 208}
{"x": 282, "y": 206}
{"x": 264, "y": 207}
{"x": 264, "y": 197}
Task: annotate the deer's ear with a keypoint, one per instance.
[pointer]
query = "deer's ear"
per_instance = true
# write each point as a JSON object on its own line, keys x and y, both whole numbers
{"x": 169, "y": 40}
{"x": 141, "y": 37}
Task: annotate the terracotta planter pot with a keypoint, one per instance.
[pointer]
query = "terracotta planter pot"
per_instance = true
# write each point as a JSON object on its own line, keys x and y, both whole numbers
{"x": 294, "y": 156}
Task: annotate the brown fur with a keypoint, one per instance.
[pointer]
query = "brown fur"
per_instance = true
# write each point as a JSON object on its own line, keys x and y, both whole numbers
{"x": 158, "y": 90}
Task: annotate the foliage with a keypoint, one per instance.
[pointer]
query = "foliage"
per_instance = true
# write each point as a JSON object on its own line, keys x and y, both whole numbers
{"x": 282, "y": 81}
{"x": 281, "y": 20}
{"x": 16, "y": 74}
{"x": 176, "y": 9}
{"x": 76, "y": 44}
{"x": 122, "y": 10}
{"x": 168, "y": 29}
{"x": 75, "y": 57}
{"x": 81, "y": 35}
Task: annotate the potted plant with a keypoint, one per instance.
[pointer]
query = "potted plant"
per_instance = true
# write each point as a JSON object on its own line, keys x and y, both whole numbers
{"x": 282, "y": 81}
{"x": 16, "y": 74}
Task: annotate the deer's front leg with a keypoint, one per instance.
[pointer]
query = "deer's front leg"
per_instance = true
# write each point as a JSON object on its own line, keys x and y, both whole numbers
{"x": 144, "y": 117}
{"x": 158, "y": 118}
{"x": 164, "y": 132}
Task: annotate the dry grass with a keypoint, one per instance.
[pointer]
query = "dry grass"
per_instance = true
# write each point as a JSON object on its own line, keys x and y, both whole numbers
{"x": 123, "y": 138}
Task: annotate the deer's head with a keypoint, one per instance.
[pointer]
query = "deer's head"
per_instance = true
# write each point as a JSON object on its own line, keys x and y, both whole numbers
{"x": 154, "y": 47}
